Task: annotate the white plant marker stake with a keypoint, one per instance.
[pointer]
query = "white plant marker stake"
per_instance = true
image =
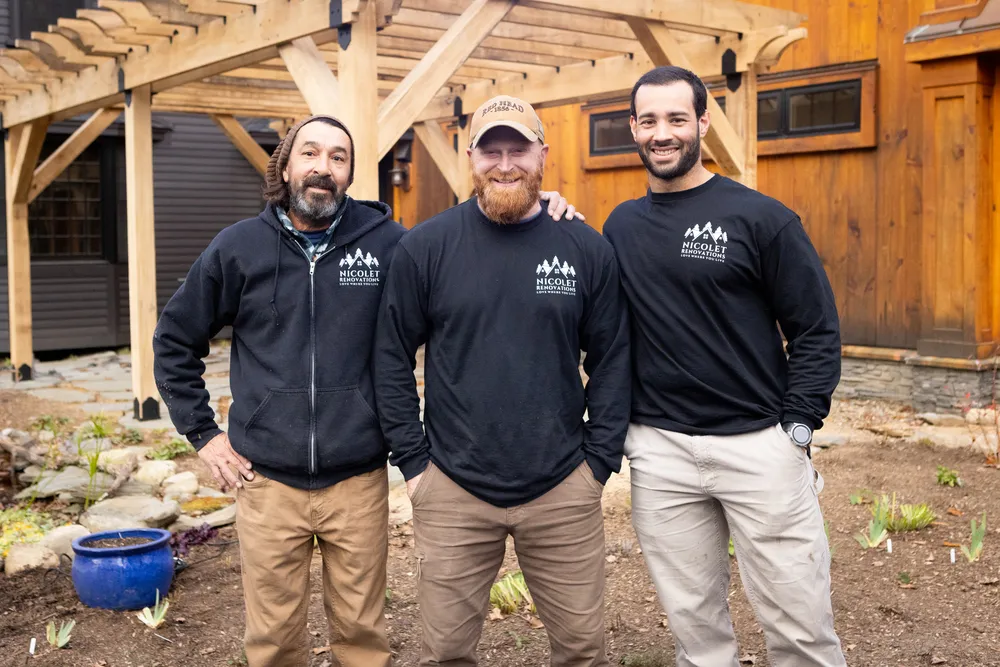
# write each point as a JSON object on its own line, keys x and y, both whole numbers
{"x": 31, "y": 649}
{"x": 952, "y": 555}
{"x": 888, "y": 544}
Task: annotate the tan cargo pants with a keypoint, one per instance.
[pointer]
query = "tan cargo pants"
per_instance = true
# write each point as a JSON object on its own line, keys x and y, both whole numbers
{"x": 559, "y": 540}
{"x": 276, "y": 524}
{"x": 688, "y": 493}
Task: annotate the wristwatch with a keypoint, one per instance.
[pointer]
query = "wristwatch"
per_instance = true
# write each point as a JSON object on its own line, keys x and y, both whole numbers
{"x": 799, "y": 433}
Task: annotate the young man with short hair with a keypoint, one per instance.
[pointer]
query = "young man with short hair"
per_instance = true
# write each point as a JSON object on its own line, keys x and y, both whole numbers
{"x": 505, "y": 299}
{"x": 714, "y": 273}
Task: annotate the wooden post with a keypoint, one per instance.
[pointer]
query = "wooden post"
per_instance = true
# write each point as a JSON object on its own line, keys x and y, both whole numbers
{"x": 22, "y": 146}
{"x": 141, "y": 250}
{"x": 465, "y": 183}
{"x": 741, "y": 110}
{"x": 357, "y": 72}
{"x": 244, "y": 143}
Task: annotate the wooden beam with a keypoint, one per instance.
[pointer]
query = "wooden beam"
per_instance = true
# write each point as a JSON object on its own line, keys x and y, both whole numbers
{"x": 312, "y": 75}
{"x": 722, "y": 140}
{"x": 29, "y": 147}
{"x": 218, "y": 46}
{"x": 357, "y": 68}
{"x": 957, "y": 13}
{"x": 141, "y": 250}
{"x": 741, "y": 110}
{"x": 70, "y": 149}
{"x": 465, "y": 182}
{"x": 713, "y": 15}
{"x": 245, "y": 144}
{"x": 448, "y": 54}
{"x": 441, "y": 151}
{"x": 21, "y": 144}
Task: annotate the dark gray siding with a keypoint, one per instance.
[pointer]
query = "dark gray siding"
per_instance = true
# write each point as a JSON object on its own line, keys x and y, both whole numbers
{"x": 202, "y": 184}
{"x": 5, "y": 19}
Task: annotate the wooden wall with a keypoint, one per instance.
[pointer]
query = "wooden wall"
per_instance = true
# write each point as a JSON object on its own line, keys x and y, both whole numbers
{"x": 861, "y": 207}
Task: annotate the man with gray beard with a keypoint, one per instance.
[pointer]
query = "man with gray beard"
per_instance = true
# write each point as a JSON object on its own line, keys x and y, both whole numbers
{"x": 505, "y": 299}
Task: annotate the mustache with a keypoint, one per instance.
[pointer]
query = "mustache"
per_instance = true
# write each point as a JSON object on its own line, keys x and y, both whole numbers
{"x": 515, "y": 174}
{"x": 664, "y": 144}
{"x": 325, "y": 182}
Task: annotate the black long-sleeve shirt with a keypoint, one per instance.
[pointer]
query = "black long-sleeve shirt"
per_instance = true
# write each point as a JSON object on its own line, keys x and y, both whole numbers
{"x": 710, "y": 274}
{"x": 505, "y": 311}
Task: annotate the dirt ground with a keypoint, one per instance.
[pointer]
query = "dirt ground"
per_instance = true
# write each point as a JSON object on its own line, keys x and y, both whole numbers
{"x": 948, "y": 614}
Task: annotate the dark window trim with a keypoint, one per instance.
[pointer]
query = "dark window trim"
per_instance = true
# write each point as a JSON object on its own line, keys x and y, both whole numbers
{"x": 849, "y": 84}
{"x": 594, "y": 117}
{"x": 769, "y": 95}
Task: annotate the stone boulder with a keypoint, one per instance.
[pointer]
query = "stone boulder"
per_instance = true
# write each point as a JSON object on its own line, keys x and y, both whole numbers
{"x": 182, "y": 485}
{"x": 60, "y": 540}
{"x": 95, "y": 445}
{"x": 130, "y": 512}
{"x": 154, "y": 472}
{"x": 981, "y": 416}
{"x": 30, "y": 474}
{"x": 114, "y": 458}
{"x": 71, "y": 483}
{"x": 935, "y": 419}
{"x": 22, "y": 557}
{"x": 223, "y": 517}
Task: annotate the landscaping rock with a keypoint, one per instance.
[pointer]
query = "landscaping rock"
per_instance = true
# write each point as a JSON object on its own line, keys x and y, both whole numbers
{"x": 825, "y": 440}
{"x": 30, "y": 474}
{"x": 223, "y": 517}
{"x": 154, "y": 472}
{"x": 117, "y": 457}
{"x": 935, "y": 419}
{"x": 952, "y": 438}
{"x": 133, "y": 487}
{"x": 182, "y": 485}
{"x": 60, "y": 540}
{"x": 17, "y": 437}
{"x": 206, "y": 505}
{"x": 891, "y": 430}
{"x": 46, "y": 436}
{"x": 95, "y": 445}
{"x": 144, "y": 512}
{"x": 208, "y": 492}
{"x": 23, "y": 557}
{"x": 72, "y": 481}
{"x": 98, "y": 523}
{"x": 981, "y": 416}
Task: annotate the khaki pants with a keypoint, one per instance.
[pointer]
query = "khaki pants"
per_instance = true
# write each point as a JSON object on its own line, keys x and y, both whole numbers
{"x": 688, "y": 493}
{"x": 276, "y": 524}
{"x": 559, "y": 541}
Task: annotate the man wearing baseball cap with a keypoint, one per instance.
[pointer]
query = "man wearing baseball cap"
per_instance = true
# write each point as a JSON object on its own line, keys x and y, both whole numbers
{"x": 505, "y": 299}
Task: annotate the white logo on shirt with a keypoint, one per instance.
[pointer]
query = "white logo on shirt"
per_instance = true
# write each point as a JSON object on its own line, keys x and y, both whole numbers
{"x": 359, "y": 270}
{"x": 705, "y": 243}
{"x": 555, "y": 278}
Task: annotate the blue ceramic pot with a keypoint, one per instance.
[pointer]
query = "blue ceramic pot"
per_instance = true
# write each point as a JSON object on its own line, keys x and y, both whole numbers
{"x": 123, "y": 577}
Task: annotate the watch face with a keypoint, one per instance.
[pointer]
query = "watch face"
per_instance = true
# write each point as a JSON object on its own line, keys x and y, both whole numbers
{"x": 800, "y": 434}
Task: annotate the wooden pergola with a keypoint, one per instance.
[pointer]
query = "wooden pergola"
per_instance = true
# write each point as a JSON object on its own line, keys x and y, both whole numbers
{"x": 382, "y": 66}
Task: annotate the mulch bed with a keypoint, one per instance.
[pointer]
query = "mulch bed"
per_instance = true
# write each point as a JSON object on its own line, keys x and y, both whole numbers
{"x": 947, "y": 612}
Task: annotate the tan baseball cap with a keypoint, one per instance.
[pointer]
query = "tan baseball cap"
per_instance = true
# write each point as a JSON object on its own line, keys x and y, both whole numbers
{"x": 509, "y": 112}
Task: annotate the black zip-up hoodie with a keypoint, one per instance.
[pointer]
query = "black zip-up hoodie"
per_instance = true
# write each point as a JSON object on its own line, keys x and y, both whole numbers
{"x": 303, "y": 408}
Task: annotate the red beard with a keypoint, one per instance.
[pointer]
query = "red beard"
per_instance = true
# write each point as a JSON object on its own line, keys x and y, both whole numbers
{"x": 508, "y": 205}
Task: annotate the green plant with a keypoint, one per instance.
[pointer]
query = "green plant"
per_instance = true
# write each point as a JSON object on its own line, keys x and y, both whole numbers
{"x": 947, "y": 477}
{"x": 388, "y": 595}
{"x": 862, "y": 497}
{"x": 877, "y": 528}
{"x": 902, "y": 518}
{"x": 904, "y": 577}
{"x": 155, "y": 617}
{"x": 172, "y": 449}
{"x": 101, "y": 426}
{"x": 22, "y": 525}
{"x": 519, "y": 641}
{"x": 92, "y": 457}
{"x": 510, "y": 593}
{"x": 975, "y": 548}
{"x": 130, "y": 436}
{"x": 732, "y": 547}
{"x": 61, "y": 638}
{"x": 49, "y": 423}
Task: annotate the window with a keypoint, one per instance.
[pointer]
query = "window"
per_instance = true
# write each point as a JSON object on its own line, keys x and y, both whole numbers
{"x": 611, "y": 133}
{"x": 824, "y": 109}
{"x": 768, "y": 115}
{"x": 71, "y": 217}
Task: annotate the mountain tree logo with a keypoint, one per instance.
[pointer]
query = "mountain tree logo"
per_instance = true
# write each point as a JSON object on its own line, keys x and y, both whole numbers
{"x": 707, "y": 232}
{"x": 359, "y": 258}
{"x": 564, "y": 270}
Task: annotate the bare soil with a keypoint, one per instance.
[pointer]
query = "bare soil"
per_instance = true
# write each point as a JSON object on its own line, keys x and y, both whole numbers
{"x": 116, "y": 542}
{"x": 948, "y": 613}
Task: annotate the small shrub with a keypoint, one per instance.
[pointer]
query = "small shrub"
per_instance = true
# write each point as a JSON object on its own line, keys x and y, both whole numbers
{"x": 903, "y": 518}
{"x": 172, "y": 449}
{"x": 182, "y": 542}
{"x": 100, "y": 426}
{"x": 22, "y": 526}
{"x": 975, "y": 548}
{"x": 50, "y": 423}
{"x": 947, "y": 477}
{"x": 92, "y": 457}
{"x": 510, "y": 593}
{"x": 877, "y": 528}
{"x": 59, "y": 638}
{"x": 130, "y": 436}
{"x": 903, "y": 577}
